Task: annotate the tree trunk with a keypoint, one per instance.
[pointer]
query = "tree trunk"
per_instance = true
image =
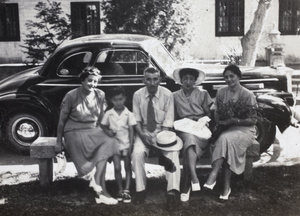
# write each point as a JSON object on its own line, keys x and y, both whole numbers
{"x": 250, "y": 41}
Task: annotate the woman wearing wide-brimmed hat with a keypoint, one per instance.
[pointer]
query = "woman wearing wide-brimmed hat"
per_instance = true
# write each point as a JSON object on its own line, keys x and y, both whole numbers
{"x": 193, "y": 103}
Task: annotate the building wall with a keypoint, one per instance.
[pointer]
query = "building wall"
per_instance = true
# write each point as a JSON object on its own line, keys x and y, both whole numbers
{"x": 11, "y": 52}
{"x": 204, "y": 44}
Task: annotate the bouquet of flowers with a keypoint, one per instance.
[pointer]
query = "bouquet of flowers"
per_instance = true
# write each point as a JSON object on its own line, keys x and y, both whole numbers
{"x": 239, "y": 109}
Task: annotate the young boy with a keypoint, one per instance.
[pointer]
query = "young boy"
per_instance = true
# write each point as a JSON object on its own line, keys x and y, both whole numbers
{"x": 118, "y": 122}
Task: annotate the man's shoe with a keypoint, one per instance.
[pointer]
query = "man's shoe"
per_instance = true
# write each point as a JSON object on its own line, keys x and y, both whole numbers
{"x": 140, "y": 197}
{"x": 172, "y": 200}
{"x": 167, "y": 163}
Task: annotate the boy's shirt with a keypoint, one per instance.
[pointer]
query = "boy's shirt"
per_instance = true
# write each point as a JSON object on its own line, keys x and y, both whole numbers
{"x": 120, "y": 124}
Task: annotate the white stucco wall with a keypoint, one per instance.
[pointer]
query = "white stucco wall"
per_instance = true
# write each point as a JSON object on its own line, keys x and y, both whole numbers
{"x": 11, "y": 52}
{"x": 204, "y": 44}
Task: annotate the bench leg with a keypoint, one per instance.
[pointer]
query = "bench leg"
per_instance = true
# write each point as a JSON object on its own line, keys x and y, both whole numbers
{"x": 248, "y": 169}
{"x": 46, "y": 171}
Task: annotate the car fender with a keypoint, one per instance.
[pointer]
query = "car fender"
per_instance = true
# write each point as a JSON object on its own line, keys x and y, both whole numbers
{"x": 16, "y": 102}
{"x": 275, "y": 110}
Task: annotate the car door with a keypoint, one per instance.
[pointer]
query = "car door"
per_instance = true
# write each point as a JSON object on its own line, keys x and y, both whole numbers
{"x": 61, "y": 76}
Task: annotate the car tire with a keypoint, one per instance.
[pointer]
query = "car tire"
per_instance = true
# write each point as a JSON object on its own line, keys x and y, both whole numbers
{"x": 21, "y": 129}
{"x": 265, "y": 134}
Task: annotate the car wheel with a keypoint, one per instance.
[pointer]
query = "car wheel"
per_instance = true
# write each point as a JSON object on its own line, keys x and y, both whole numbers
{"x": 265, "y": 134}
{"x": 22, "y": 129}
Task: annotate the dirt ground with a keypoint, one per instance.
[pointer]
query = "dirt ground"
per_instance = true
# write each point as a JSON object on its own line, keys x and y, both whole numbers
{"x": 273, "y": 191}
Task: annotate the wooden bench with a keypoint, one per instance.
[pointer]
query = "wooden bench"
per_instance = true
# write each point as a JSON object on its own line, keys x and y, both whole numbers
{"x": 43, "y": 150}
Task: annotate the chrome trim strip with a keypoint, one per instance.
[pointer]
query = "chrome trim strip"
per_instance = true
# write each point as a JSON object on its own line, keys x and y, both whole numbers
{"x": 104, "y": 76}
{"x": 99, "y": 85}
{"x": 250, "y": 86}
{"x": 243, "y": 81}
{"x": 53, "y": 84}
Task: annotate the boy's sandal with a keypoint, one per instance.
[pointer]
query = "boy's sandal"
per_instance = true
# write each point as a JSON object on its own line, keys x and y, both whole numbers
{"x": 126, "y": 197}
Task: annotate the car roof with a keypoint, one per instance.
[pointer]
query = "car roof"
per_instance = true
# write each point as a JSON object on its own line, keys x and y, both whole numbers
{"x": 111, "y": 38}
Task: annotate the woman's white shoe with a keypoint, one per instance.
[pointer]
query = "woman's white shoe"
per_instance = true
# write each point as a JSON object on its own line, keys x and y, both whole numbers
{"x": 97, "y": 188}
{"x": 184, "y": 197}
{"x": 106, "y": 200}
{"x": 225, "y": 197}
{"x": 210, "y": 187}
{"x": 196, "y": 186}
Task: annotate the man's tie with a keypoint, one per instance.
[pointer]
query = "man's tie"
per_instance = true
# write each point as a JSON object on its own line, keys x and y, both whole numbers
{"x": 151, "y": 124}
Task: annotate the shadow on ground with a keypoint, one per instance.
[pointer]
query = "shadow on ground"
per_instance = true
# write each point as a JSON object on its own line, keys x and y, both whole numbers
{"x": 273, "y": 191}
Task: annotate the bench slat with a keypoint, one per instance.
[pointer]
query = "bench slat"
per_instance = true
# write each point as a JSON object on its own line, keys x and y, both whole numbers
{"x": 43, "y": 147}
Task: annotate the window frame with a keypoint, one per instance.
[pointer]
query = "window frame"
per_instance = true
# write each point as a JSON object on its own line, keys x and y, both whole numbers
{"x": 74, "y": 24}
{"x": 230, "y": 19}
{"x": 293, "y": 25}
{"x": 6, "y": 26}
{"x": 58, "y": 69}
{"x": 136, "y": 62}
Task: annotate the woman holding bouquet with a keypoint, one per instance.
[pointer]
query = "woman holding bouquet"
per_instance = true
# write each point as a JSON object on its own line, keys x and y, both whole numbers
{"x": 192, "y": 103}
{"x": 235, "y": 116}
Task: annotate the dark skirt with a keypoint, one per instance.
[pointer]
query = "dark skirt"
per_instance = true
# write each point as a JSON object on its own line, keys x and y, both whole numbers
{"x": 87, "y": 147}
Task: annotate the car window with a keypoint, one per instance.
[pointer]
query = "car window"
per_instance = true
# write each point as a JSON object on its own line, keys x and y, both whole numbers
{"x": 74, "y": 64}
{"x": 121, "y": 62}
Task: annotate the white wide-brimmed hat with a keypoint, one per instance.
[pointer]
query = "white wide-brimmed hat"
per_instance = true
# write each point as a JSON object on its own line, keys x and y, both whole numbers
{"x": 196, "y": 67}
{"x": 168, "y": 141}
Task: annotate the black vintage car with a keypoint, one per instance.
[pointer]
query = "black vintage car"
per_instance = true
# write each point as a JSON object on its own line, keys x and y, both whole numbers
{"x": 30, "y": 100}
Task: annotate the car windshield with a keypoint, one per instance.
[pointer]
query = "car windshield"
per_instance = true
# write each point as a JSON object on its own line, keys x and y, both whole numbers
{"x": 161, "y": 56}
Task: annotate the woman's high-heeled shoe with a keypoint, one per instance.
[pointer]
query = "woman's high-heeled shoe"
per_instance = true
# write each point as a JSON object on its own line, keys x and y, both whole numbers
{"x": 93, "y": 184}
{"x": 106, "y": 200}
{"x": 196, "y": 186}
{"x": 209, "y": 187}
{"x": 184, "y": 197}
{"x": 225, "y": 197}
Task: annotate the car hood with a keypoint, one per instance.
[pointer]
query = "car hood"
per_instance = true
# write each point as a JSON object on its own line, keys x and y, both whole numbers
{"x": 20, "y": 81}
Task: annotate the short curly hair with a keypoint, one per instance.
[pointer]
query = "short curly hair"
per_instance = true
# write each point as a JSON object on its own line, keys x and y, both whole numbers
{"x": 89, "y": 71}
{"x": 234, "y": 69}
